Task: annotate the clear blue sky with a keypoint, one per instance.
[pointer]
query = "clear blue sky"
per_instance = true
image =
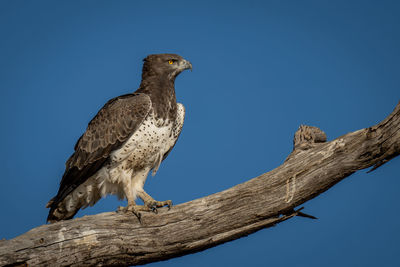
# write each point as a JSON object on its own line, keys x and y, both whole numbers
{"x": 260, "y": 69}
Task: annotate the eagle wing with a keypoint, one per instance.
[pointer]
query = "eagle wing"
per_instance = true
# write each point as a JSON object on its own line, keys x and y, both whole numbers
{"x": 107, "y": 131}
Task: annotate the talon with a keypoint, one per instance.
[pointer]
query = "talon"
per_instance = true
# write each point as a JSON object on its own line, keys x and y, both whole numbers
{"x": 169, "y": 204}
{"x": 152, "y": 206}
{"x": 133, "y": 209}
{"x": 138, "y": 215}
{"x": 154, "y": 209}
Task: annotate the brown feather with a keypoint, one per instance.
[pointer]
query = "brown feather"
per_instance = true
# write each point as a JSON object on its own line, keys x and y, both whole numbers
{"x": 93, "y": 148}
{"x": 115, "y": 123}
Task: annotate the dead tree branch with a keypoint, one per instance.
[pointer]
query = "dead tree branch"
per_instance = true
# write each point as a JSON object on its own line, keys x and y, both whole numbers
{"x": 117, "y": 239}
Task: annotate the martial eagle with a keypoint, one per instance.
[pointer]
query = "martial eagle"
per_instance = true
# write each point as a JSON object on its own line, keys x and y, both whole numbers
{"x": 131, "y": 135}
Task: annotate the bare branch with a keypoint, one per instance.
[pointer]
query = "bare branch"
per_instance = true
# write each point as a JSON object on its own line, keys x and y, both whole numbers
{"x": 118, "y": 239}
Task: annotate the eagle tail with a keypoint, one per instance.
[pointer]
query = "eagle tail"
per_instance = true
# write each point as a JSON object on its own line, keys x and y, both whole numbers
{"x": 50, "y": 203}
{"x": 58, "y": 212}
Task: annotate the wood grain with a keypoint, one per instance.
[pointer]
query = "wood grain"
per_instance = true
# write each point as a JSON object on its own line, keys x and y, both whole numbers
{"x": 112, "y": 239}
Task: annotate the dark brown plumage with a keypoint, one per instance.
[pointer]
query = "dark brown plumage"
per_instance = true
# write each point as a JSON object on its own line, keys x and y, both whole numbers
{"x": 97, "y": 152}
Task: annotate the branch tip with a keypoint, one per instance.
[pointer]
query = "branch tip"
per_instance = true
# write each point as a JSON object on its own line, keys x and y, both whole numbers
{"x": 305, "y": 215}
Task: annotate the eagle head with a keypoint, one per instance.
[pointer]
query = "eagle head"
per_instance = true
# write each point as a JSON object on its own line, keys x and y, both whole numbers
{"x": 165, "y": 64}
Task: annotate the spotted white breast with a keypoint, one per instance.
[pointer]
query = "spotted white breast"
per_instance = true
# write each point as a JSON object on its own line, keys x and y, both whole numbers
{"x": 130, "y": 164}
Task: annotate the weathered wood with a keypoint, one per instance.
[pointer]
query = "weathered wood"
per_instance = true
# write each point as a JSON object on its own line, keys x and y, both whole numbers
{"x": 118, "y": 239}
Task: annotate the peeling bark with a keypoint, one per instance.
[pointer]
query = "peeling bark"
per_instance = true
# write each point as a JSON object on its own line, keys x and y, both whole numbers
{"x": 119, "y": 239}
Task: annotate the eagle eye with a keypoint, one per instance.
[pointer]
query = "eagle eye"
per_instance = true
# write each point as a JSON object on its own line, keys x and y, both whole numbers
{"x": 171, "y": 61}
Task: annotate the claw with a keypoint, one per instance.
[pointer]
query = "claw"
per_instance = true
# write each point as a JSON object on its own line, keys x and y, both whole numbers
{"x": 154, "y": 209}
{"x": 169, "y": 204}
{"x": 153, "y": 205}
{"x": 132, "y": 209}
{"x": 138, "y": 215}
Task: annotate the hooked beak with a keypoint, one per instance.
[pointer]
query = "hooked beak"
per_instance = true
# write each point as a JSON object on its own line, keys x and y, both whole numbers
{"x": 186, "y": 65}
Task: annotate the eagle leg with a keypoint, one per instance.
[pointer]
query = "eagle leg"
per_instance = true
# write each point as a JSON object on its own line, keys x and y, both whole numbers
{"x": 152, "y": 204}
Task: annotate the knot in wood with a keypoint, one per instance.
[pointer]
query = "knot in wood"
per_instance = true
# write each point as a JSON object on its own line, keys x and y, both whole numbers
{"x": 307, "y": 136}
